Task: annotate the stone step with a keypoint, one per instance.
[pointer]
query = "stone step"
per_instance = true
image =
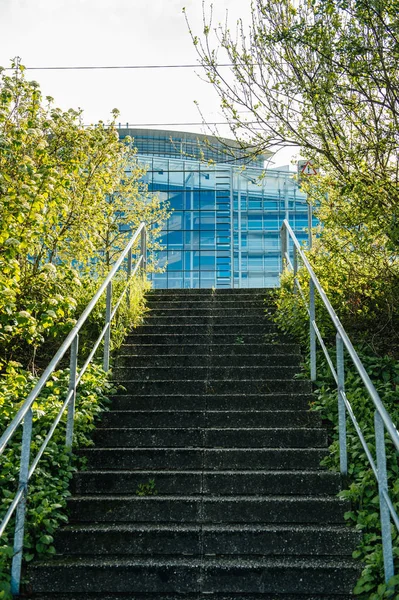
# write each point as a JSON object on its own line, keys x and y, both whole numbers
{"x": 287, "y": 437}
{"x": 208, "y": 319}
{"x": 212, "y": 419}
{"x": 206, "y": 360}
{"x": 259, "y": 304}
{"x": 172, "y": 459}
{"x": 227, "y": 350}
{"x": 185, "y": 372}
{"x": 229, "y": 309}
{"x": 205, "y": 479}
{"x": 206, "y": 540}
{"x": 216, "y": 386}
{"x": 197, "y": 596}
{"x": 240, "y": 338}
{"x": 185, "y": 575}
{"x": 224, "y": 483}
{"x": 207, "y": 509}
{"x": 223, "y": 294}
{"x": 237, "y": 329}
{"x": 216, "y": 402}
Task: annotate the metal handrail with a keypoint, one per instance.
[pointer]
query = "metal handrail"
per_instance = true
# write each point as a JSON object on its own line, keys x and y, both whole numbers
{"x": 382, "y": 419}
{"x": 25, "y": 412}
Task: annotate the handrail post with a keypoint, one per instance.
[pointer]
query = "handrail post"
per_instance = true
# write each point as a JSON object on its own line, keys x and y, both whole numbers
{"x": 72, "y": 388}
{"x": 128, "y": 276}
{"x": 312, "y": 319}
{"x": 343, "y": 455}
{"x": 107, "y": 336}
{"x": 295, "y": 267}
{"x": 143, "y": 248}
{"x": 20, "y": 513}
{"x": 283, "y": 243}
{"x": 383, "y": 487}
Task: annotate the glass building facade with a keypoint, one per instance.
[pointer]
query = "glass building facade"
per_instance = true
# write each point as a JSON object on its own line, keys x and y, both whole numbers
{"x": 227, "y": 213}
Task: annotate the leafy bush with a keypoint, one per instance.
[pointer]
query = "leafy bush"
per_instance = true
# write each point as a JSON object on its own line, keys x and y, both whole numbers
{"x": 69, "y": 198}
{"x": 362, "y": 489}
{"x": 49, "y": 486}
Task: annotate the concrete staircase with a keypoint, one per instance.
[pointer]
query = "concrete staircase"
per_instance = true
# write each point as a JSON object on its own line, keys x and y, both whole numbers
{"x": 214, "y": 430}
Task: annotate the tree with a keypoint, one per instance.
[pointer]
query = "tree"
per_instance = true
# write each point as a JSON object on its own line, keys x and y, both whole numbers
{"x": 323, "y": 75}
{"x": 319, "y": 74}
{"x": 68, "y": 196}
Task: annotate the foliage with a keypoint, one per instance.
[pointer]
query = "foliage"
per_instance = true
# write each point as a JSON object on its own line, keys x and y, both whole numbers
{"x": 362, "y": 490}
{"x": 147, "y": 489}
{"x": 362, "y": 285}
{"x": 323, "y": 75}
{"x": 70, "y": 197}
{"x": 49, "y": 486}
{"x": 320, "y": 74}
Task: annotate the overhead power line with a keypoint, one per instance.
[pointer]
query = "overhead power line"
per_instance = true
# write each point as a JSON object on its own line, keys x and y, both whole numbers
{"x": 95, "y": 67}
{"x": 128, "y": 125}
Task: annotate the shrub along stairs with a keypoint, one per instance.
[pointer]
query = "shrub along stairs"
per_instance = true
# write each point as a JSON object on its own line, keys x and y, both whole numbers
{"x": 204, "y": 480}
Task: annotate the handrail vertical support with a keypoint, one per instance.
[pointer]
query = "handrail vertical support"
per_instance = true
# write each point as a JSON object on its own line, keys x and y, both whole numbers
{"x": 20, "y": 513}
{"x": 383, "y": 487}
{"x": 107, "y": 336}
{"x": 72, "y": 388}
{"x": 143, "y": 248}
{"x": 312, "y": 319}
{"x": 295, "y": 267}
{"x": 128, "y": 276}
{"x": 283, "y": 243}
{"x": 343, "y": 454}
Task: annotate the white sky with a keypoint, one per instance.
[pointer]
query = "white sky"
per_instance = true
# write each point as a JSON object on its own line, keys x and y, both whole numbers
{"x": 117, "y": 32}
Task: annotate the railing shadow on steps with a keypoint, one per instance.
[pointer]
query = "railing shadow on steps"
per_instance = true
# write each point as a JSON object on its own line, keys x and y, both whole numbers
{"x": 24, "y": 415}
{"x": 382, "y": 419}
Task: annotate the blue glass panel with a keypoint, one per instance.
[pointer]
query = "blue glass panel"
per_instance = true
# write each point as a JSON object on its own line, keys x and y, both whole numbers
{"x": 188, "y": 200}
{"x": 207, "y": 220}
{"x": 188, "y": 260}
{"x": 223, "y": 273}
{"x": 162, "y": 258}
{"x": 175, "y": 221}
{"x": 255, "y": 263}
{"x": 207, "y": 239}
{"x": 176, "y": 200}
{"x": 254, "y": 222}
{"x": 255, "y": 242}
{"x": 174, "y": 239}
{"x": 207, "y": 279}
{"x": 271, "y": 223}
{"x": 254, "y": 203}
{"x": 175, "y": 262}
{"x": 207, "y": 260}
{"x": 271, "y": 243}
{"x": 160, "y": 280}
{"x": 208, "y": 178}
{"x": 176, "y": 179}
{"x": 175, "y": 280}
{"x": 196, "y": 200}
{"x": 191, "y": 279}
{"x": 191, "y": 239}
{"x": 222, "y": 226}
{"x": 255, "y": 280}
{"x": 207, "y": 199}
